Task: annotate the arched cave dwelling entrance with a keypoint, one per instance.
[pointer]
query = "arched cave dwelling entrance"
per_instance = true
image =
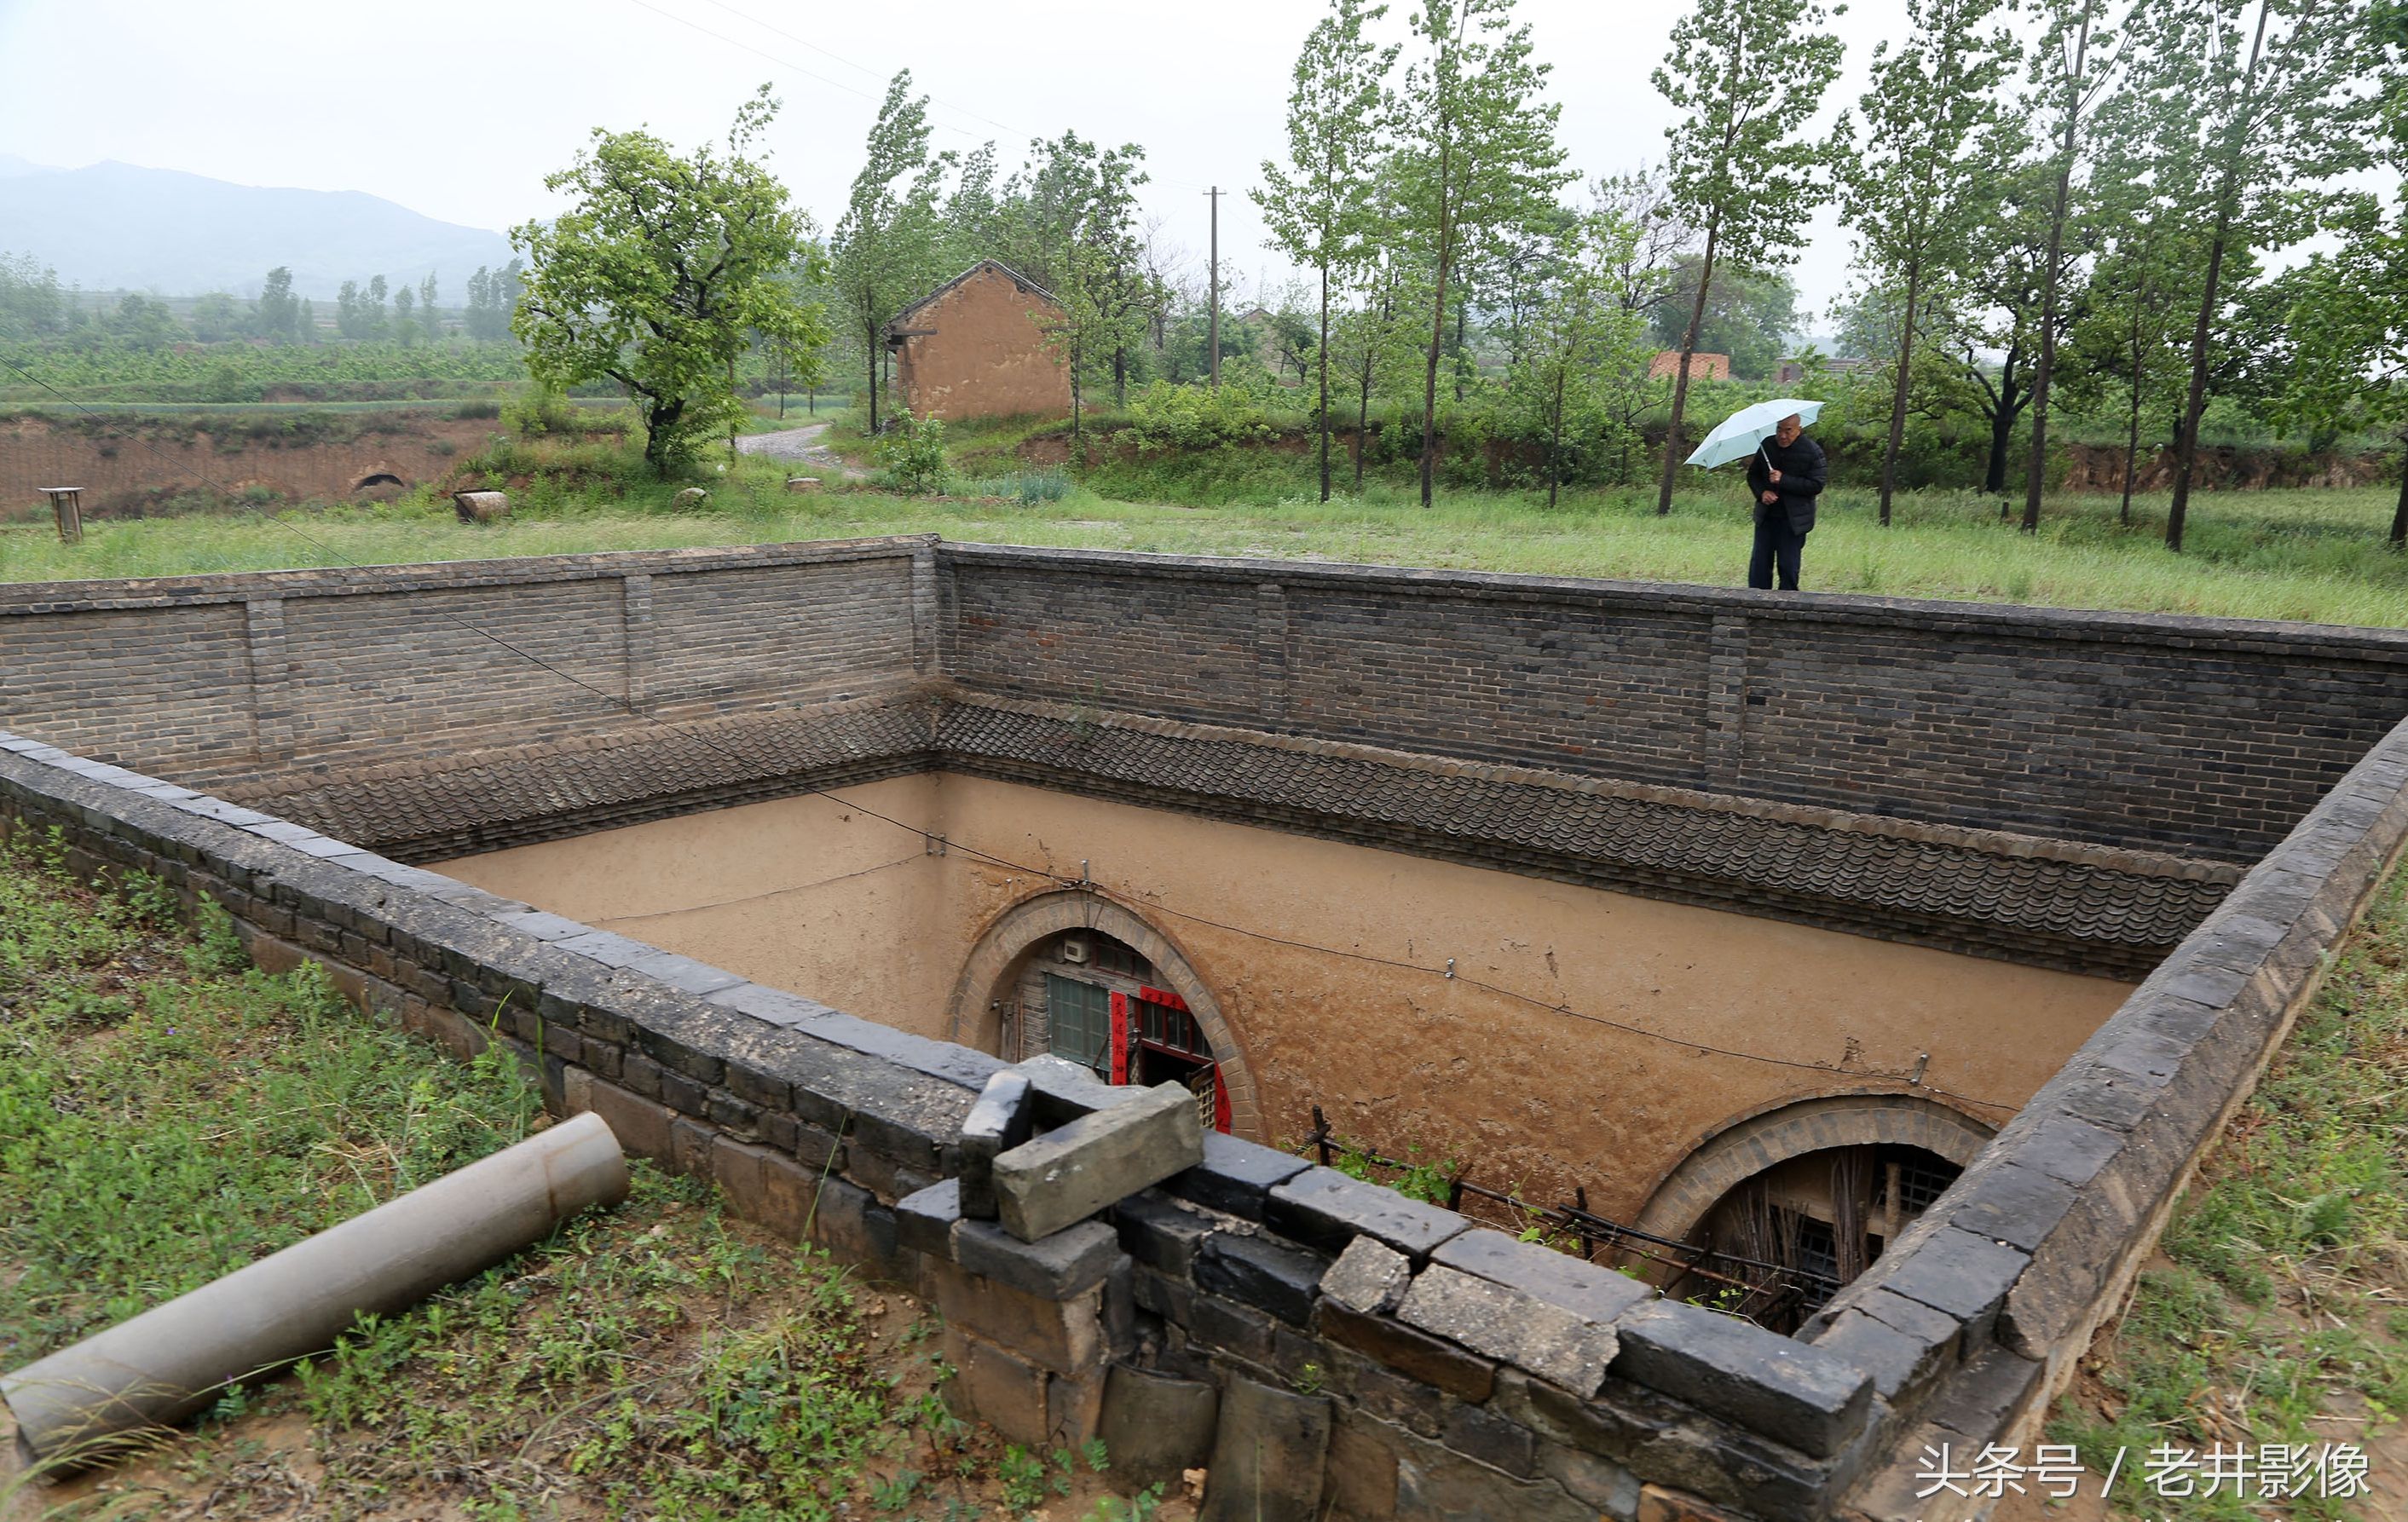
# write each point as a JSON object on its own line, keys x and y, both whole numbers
{"x": 1085, "y": 979}
{"x": 1816, "y": 1186}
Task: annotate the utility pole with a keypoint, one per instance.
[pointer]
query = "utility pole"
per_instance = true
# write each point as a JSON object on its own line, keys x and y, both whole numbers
{"x": 1214, "y": 340}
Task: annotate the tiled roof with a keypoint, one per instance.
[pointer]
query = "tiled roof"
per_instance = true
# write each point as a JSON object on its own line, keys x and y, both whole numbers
{"x": 2058, "y": 904}
{"x": 1701, "y": 853}
{"x": 427, "y": 810}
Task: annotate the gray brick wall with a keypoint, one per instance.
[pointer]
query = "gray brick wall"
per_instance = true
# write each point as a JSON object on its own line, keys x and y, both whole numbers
{"x": 2205, "y": 735}
{"x": 222, "y": 677}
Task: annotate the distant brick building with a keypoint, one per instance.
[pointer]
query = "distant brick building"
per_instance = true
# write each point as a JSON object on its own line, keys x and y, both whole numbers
{"x": 976, "y": 347}
{"x": 1701, "y": 366}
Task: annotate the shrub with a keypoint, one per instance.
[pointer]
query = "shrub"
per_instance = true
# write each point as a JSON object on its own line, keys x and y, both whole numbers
{"x": 913, "y": 454}
{"x": 539, "y": 410}
{"x": 1026, "y": 487}
{"x": 1166, "y": 416}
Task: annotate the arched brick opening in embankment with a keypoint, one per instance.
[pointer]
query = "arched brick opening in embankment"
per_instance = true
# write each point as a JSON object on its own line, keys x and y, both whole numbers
{"x": 992, "y": 970}
{"x": 1792, "y": 1157}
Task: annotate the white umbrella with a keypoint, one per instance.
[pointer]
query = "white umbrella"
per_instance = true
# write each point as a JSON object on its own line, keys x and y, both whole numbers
{"x": 1738, "y": 436}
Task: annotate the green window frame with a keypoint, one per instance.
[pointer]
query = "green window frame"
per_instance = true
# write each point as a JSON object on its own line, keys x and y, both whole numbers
{"x": 1079, "y": 1022}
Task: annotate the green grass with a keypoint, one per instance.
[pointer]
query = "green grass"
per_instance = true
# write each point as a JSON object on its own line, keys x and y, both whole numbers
{"x": 2277, "y": 1317}
{"x": 2310, "y": 555}
{"x": 170, "y": 1113}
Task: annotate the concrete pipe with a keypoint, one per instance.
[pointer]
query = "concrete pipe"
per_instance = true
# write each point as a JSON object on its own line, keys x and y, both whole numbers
{"x": 172, "y": 1361}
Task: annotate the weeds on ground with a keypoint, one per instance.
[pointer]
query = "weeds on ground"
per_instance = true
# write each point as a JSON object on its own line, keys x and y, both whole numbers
{"x": 169, "y": 1112}
{"x": 2277, "y": 1319}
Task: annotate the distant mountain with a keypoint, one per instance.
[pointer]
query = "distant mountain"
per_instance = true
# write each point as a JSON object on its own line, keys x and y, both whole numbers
{"x": 116, "y": 225}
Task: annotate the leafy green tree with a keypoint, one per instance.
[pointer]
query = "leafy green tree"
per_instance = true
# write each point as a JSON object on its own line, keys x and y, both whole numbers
{"x": 2347, "y": 330}
{"x": 215, "y": 318}
{"x": 492, "y": 297}
{"x": 31, "y": 303}
{"x": 277, "y": 313}
{"x": 144, "y": 323}
{"x": 1584, "y": 340}
{"x": 1996, "y": 316}
{"x": 1743, "y": 80}
{"x": 2147, "y": 218}
{"x": 658, "y": 271}
{"x": 885, "y": 245}
{"x": 428, "y": 317}
{"x": 1476, "y": 158}
{"x": 1075, "y": 211}
{"x": 1910, "y": 189}
{"x": 1320, "y": 214}
{"x": 972, "y": 223}
{"x": 405, "y": 314}
{"x": 1649, "y": 276}
{"x": 2272, "y": 105}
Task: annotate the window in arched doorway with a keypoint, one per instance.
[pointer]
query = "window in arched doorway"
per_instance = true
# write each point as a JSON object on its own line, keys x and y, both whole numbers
{"x": 1092, "y": 1000}
{"x": 1823, "y": 1218}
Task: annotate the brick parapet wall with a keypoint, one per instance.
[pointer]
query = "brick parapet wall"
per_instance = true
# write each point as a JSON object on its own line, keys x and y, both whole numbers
{"x": 216, "y": 678}
{"x": 818, "y": 1124}
{"x": 2079, "y": 725}
{"x": 2090, "y": 726}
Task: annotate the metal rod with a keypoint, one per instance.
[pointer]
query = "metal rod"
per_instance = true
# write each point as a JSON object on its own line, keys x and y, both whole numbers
{"x": 1612, "y": 1233}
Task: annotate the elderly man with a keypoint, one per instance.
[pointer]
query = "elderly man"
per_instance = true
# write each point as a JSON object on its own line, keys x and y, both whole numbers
{"x": 1784, "y": 476}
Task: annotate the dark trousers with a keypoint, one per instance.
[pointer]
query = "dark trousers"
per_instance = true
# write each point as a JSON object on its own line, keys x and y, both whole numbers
{"x": 1775, "y": 542}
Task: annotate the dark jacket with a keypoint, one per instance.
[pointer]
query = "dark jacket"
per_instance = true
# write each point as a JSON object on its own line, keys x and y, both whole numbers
{"x": 1802, "y": 474}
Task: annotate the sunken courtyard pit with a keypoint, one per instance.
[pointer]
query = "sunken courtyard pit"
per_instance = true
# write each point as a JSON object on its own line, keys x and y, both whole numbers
{"x": 1875, "y": 970}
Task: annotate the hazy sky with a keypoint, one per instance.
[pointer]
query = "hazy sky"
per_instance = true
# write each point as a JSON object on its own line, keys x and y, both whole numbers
{"x": 458, "y": 109}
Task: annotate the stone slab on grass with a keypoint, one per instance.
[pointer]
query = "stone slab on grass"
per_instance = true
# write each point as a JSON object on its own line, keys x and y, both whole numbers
{"x": 1070, "y": 1172}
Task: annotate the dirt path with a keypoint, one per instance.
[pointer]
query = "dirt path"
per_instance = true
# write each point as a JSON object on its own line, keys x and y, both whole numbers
{"x": 800, "y": 445}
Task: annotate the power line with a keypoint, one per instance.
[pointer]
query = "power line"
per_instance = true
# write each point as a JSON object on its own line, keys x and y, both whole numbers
{"x": 765, "y": 893}
{"x": 1085, "y": 882}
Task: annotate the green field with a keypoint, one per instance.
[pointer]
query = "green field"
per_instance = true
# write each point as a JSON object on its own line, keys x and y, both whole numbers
{"x": 2315, "y": 555}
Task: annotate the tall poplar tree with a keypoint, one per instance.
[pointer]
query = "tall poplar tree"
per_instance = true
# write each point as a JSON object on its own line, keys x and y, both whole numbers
{"x": 885, "y": 245}
{"x": 1743, "y": 80}
{"x": 1476, "y": 158}
{"x": 1320, "y": 214}
{"x": 2067, "y": 79}
{"x": 1584, "y": 337}
{"x": 2277, "y": 96}
{"x": 1908, "y": 189}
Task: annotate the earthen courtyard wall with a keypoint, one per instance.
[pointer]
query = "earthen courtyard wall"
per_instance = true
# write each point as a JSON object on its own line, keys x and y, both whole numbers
{"x": 809, "y": 894}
